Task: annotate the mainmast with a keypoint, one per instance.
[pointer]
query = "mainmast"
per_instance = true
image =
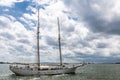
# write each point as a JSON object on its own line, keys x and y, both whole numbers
{"x": 59, "y": 42}
{"x": 38, "y": 51}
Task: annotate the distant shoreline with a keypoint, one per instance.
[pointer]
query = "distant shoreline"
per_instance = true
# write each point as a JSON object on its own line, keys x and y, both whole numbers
{"x": 5, "y": 63}
{"x": 54, "y": 63}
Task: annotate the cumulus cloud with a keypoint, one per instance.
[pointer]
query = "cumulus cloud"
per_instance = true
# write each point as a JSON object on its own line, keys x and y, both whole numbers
{"x": 9, "y": 3}
{"x": 101, "y": 21}
{"x": 14, "y": 37}
{"x": 89, "y": 31}
{"x": 100, "y": 16}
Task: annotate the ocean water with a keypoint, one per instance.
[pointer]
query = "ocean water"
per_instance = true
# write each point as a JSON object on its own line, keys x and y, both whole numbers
{"x": 88, "y": 72}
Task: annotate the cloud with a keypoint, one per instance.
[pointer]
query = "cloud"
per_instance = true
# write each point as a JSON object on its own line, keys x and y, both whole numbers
{"x": 15, "y": 38}
{"x": 8, "y": 36}
{"x": 89, "y": 31}
{"x": 9, "y": 3}
{"x": 24, "y": 41}
{"x": 100, "y": 16}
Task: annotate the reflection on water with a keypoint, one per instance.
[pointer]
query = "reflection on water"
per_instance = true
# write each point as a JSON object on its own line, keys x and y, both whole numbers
{"x": 88, "y": 72}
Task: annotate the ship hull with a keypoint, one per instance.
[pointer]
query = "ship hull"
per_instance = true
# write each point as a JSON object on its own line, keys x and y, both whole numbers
{"x": 34, "y": 72}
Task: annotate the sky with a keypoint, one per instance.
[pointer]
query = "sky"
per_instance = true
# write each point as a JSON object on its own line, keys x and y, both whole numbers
{"x": 90, "y": 30}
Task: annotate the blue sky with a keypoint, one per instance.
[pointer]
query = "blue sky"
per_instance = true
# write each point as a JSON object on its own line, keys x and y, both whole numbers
{"x": 90, "y": 30}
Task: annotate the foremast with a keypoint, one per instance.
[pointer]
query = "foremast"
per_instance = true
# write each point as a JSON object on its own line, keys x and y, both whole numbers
{"x": 59, "y": 38}
{"x": 38, "y": 47}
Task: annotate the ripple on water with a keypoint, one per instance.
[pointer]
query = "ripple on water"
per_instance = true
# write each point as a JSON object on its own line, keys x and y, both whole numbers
{"x": 88, "y": 72}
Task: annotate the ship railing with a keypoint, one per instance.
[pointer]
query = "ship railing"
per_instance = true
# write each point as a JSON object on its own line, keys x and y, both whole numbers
{"x": 34, "y": 65}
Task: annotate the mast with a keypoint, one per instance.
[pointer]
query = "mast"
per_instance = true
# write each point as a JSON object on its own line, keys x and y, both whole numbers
{"x": 59, "y": 42}
{"x": 38, "y": 51}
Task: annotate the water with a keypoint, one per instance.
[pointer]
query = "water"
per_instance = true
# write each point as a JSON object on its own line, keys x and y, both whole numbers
{"x": 88, "y": 72}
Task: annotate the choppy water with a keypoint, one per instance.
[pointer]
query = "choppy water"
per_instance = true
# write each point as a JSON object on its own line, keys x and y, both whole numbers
{"x": 88, "y": 72}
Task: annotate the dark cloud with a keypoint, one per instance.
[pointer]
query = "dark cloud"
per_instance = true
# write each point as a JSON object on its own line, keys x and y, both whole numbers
{"x": 99, "y": 25}
{"x": 51, "y": 41}
{"x": 81, "y": 57}
{"x": 3, "y": 24}
{"x": 95, "y": 19}
{"x": 68, "y": 29}
{"x": 102, "y": 45}
{"x": 8, "y": 36}
{"x": 19, "y": 50}
{"x": 43, "y": 47}
{"x": 24, "y": 41}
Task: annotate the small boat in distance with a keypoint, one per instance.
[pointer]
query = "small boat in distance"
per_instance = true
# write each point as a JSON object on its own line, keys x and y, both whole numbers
{"x": 24, "y": 69}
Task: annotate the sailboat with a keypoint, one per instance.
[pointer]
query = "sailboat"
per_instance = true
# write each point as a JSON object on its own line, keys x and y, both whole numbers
{"x": 26, "y": 69}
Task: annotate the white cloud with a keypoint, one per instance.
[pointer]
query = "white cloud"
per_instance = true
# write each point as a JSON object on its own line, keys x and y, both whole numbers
{"x": 30, "y": 8}
{"x": 18, "y": 31}
{"x": 9, "y": 3}
{"x": 78, "y": 40}
{"x": 40, "y": 2}
{"x": 106, "y": 47}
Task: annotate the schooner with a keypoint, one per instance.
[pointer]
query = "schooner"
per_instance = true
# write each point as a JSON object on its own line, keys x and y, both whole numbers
{"x": 39, "y": 69}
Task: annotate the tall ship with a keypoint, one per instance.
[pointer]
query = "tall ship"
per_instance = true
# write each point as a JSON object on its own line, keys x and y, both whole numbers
{"x": 33, "y": 69}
